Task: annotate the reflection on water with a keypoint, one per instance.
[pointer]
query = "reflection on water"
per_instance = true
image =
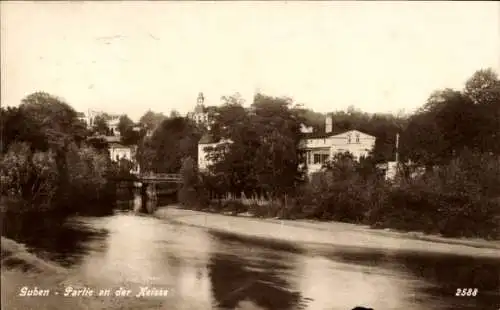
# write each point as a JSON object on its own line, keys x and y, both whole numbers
{"x": 208, "y": 270}
{"x": 54, "y": 239}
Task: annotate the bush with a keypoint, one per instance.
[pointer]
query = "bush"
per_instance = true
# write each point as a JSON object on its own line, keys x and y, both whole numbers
{"x": 31, "y": 180}
{"x": 454, "y": 200}
{"x": 457, "y": 199}
{"x": 344, "y": 192}
{"x": 192, "y": 193}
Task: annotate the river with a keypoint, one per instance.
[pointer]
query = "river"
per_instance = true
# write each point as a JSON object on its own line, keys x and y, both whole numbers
{"x": 203, "y": 269}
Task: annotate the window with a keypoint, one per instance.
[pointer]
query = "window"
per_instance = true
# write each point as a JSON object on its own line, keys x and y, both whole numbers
{"x": 349, "y": 139}
{"x": 320, "y": 158}
{"x": 357, "y": 138}
{"x": 317, "y": 158}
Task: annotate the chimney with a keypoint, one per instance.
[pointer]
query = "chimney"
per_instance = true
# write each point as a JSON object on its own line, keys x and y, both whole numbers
{"x": 328, "y": 123}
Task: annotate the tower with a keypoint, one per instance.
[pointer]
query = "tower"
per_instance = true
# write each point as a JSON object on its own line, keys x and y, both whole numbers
{"x": 200, "y": 115}
{"x": 201, "y": 99}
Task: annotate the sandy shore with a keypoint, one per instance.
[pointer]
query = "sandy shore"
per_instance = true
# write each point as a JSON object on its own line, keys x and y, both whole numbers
{"x": 330, "y": 233}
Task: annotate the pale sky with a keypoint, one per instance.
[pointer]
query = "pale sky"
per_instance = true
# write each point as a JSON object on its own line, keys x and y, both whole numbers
{"x": 128, "y": 57}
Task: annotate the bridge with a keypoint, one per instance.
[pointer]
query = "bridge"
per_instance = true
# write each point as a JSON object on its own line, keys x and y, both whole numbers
{"x": 148, "y": 185}
{"x": 159, "y": 178}
{"x": 148, "y": 178}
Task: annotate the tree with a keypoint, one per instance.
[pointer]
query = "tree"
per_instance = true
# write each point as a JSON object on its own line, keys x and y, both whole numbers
{"x": 452, "y": 121}
{"x": 28, "y": 177}
{"x": 54, "y": 159}
{"x": 188, "y": 193}
{"x": 422, "y": 141}
{"x": 124, "y": 124}
{"x": 311, "y": 118}
{"x": 129, "y": 133}
{"x": 100, "y": 125}
{"x": 172, "y": 141}
{"x": 483, "y": 88}
{"x": 16, "y": 126}
{"x": 174, "y": 114}
{"x": 277, "y": 159}
{"x": 132, "y": 136}
{"x": 151, "y": 120}
{"x": 53, "y": 118}
{"x": 99, "y": 144}
{"x": 263, "y": 154}
{"x": 57, "y": 127}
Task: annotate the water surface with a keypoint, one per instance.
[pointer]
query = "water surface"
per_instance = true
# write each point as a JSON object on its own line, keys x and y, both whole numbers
{"x": 207, "y": 270}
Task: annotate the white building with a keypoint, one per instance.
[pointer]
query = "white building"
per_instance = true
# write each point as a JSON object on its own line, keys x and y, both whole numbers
{"x": 113, "y": 126}
{"x": 119, "y": 151}
{"x": 305, "y": 129}
{"x": 318, "y": 148}
{"x": 321, "y": 148}
{"x": 203, "y": 146}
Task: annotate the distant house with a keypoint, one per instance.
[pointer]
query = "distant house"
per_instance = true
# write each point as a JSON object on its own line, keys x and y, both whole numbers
{"x": 204, "y": 144}
{"x": 113, "y": 126}
{"x": 319, "y": 148}
{"x": 119, "y": 151}
{"x": 82, "y": 117}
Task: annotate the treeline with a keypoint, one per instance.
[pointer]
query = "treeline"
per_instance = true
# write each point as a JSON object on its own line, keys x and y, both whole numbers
{"x": 448, "y": 181}
{"x": 47, "y": 162}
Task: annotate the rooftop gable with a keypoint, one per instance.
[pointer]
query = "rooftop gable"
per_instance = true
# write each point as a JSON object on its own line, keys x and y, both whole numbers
{"x": 336, "y": 134}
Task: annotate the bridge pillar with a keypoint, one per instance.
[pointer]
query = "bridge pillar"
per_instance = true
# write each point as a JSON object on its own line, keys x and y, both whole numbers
{"x": 149, "y": 196}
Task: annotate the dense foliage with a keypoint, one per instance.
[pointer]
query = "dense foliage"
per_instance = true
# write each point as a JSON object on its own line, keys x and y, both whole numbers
{"x": 262, "y": 154}
{"x": 448, "y": 181}
{"x": 46, "y": 162}
{"x": 172, "y": 140}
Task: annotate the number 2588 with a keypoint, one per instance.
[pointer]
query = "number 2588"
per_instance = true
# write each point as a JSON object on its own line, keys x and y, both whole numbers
{"x": 466, "y": 292}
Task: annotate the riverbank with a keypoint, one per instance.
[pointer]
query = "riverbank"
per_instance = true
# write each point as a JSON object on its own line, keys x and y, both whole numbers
{"x": 328, "y": 233}
{"x": 20, "y": 268}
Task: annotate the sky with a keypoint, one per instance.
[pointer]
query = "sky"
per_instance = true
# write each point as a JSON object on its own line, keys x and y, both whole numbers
{"x": 130, "y": 57}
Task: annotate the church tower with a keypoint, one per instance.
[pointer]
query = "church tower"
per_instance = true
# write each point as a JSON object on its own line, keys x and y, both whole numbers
{"x": 200, "y": 108}
{"x": 201, "y": 98}
{"x": 200, "y": 115}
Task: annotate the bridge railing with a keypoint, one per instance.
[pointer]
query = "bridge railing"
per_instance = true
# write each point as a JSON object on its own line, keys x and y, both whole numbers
{"x": 164, "y": 176}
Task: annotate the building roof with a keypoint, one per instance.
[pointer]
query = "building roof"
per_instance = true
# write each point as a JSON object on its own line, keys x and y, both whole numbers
{"x": 116, "y": 145}
{"x": 114, "y": 122}
{"x": 80, "y": 114}
{"x": 206, "y": 139}
{"x": 323, "y": 135}
{"x": 199, "y": 109}
{"x": 112, "y": 139}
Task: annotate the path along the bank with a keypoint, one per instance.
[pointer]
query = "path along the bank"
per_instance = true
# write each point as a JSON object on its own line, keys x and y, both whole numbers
{"x": 329, "y": 233}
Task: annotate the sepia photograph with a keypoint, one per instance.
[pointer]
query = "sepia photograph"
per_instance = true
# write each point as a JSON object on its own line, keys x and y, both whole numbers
{"x": 250, "y": 155}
